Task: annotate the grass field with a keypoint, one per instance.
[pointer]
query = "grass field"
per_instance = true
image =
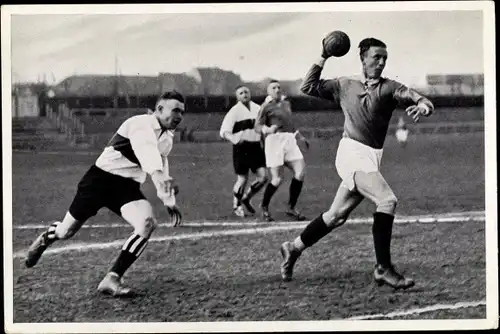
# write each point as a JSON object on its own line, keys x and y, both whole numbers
{"x": 231, "y": 273}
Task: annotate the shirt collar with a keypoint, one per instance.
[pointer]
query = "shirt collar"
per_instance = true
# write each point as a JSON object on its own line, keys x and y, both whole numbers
{"x": 368, "y": 82}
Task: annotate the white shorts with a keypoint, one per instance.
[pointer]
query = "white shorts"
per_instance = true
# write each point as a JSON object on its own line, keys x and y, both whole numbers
{"x": 281, "y": 147}
{"x": 402, "y": 135}
{"x": 352, "y": 157}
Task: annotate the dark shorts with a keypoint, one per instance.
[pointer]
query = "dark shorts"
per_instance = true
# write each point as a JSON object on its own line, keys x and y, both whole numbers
{"x": 248, "y": 156}
{"x": 98, "y": 189}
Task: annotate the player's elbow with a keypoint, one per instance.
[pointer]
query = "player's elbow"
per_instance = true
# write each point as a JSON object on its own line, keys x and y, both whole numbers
{"x": 306, "y": 88}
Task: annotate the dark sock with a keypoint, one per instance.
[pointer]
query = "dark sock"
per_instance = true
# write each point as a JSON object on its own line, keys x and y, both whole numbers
{"x": 314, "y": 231}
{"x": 131, "y": 250}
{"x": 295, "y": 189}
{"x": 238, "y": 194}
{"x": 382, "y": 234}
{"x": 268, "y": 194}
{"x": 255, "y": 187}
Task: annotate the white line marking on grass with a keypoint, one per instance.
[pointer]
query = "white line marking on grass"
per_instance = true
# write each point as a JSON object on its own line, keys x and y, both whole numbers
{"x": 438, "y": 218}
{"x": 189, "y": 236}
{"x": 414, "y": 311}
{"x": 281, "y": 226}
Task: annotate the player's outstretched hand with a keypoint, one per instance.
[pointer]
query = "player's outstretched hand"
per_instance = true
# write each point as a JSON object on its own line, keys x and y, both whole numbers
{"x": 175, "y": 215}
{"x": 415, "y": 112}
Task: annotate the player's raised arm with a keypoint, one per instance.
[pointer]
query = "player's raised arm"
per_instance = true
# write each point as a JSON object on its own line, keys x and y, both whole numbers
{"x": 419, "y": 104}
{"x": 313, "y": 85}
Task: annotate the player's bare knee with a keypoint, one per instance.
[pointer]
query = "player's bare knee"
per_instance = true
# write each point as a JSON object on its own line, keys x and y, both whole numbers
{"x": 147, "y": 228}
{"x": 334, "y": 218}
{"x": 299, "y": 174}
{"x": 388, "y": 204}
{"x": 276, "y": 180}
{"x": 262, "y": 179}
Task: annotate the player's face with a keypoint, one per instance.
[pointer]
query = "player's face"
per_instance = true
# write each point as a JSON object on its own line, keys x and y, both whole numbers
{"x": 374, "y": 61}
{"x": 274, "y": 90}
{"x": 170, "y": 113}
{"x": 243, "y": 94}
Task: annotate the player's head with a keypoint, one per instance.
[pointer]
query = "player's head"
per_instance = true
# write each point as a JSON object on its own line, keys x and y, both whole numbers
{"x": 373, "y": 55}
{"x": 274, "y": 89}
{"x": 243, "y": 93}
{"x": 169, "y": 109}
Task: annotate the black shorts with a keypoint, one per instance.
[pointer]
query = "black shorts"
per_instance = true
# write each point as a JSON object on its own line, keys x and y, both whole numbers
{"x": 98, "y": 189}
{"x": 248, "y": 156}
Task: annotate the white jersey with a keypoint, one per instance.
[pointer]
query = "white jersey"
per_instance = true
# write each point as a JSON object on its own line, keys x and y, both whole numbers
{"x": 139, "y": 147}
{"x": 240, "y": 120}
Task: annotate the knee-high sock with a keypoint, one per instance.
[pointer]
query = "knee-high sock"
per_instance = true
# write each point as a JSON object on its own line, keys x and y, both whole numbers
{"x": 314, "y": 231}
{"x": 382, "y": 235}
{"x": 255, "y": 187}
{"x": 131, "y": 250}
{"x": 295, "y": 189}
{"x": 268, "y": 194}
{"x": 238, "y": 194}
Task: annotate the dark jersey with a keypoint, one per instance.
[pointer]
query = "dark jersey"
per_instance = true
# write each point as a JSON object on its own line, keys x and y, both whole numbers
{"x": 276, "y": 113}
{"x": 367, "y": 107}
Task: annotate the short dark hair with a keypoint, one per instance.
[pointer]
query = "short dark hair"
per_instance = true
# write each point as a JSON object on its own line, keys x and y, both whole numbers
{"x": 240, "y": 86}
{"x": 367, "y": 43}
{"x": 272, "y": 81}
{"x": 172, "y": 95}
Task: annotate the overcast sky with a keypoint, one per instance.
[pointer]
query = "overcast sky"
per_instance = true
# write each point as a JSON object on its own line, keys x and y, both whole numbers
{"x": 255, "y": 45}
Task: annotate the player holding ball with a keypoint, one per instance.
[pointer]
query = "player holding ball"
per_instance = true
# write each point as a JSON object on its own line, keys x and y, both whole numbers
{"x": 367, "y": 101}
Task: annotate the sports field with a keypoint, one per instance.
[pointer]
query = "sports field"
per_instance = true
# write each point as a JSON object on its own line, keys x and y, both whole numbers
{"x": 222, "y": 268}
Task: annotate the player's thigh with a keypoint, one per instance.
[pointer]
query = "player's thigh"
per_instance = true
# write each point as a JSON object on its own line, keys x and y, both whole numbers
{"x": 373, "y": 186}
{"x": 274, "y": 151}
{"x": 292, "y": 151}
{"x": 240, "y": 162}
{"x": 261, "y": 173}
{"x": 343, "y": 204}
{"x": 140, "y": 215}
{"x": 298, "y": 168}
{"x": 123, "y": 192}
{"x": 276, "y": 174}
{"x": 90, "y": 195}
{"x": 257, "y": 160}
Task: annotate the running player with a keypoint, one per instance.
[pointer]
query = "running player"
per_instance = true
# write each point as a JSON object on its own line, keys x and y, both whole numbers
{"x": 281, "y": 149}
{"x": 139, "y": 147}
{"x": 248, "y": 154}
{"x": 367, "y": 102}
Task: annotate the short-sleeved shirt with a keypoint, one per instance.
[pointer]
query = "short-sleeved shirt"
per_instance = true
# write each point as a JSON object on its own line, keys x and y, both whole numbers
{"x": 367, "y": 106}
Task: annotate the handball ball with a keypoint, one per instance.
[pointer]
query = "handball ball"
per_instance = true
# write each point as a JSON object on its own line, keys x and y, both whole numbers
{"x": 336, "y": 44}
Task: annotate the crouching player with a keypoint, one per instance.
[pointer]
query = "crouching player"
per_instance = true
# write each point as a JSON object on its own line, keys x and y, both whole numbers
{"x": 139, "y": 147}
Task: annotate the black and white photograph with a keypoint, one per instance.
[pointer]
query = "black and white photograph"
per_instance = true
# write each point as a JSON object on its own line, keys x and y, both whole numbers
{"x": 239, "y": 167}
